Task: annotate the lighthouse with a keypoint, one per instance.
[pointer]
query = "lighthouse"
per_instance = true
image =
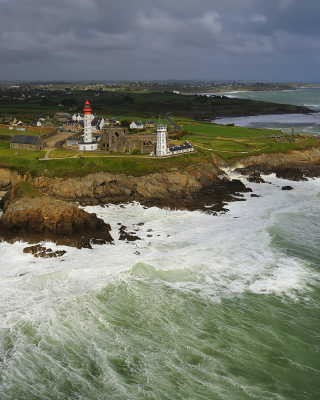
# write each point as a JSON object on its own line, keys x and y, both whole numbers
{"x": 87, "y": 143}
{"x": 161, "y": 149}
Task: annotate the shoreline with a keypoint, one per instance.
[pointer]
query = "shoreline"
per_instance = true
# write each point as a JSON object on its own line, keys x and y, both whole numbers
{"x": 29, "y": 203}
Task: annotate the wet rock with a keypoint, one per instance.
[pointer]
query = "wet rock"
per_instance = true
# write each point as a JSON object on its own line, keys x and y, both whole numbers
{"x": 41, "y": 251}
{"x": 256, "y": 178}
{"x": 127, "y": 236}
{"x": 255, "y": 195}
{"x": 34, "y": 249}
{"x": 287, "y": 188}
{"x": 292, "y": 174}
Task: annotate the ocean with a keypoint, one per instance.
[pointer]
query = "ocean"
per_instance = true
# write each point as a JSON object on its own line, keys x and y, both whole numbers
{"x": 303, "y": 123}
{"x": 202, "y": 307}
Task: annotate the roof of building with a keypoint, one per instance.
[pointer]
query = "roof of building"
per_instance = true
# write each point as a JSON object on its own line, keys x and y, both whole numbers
{"x": 184, "y": 146}
{"x": 25, "y": 139}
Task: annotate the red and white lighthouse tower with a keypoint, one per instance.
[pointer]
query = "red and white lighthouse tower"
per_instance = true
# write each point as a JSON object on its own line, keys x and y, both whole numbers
{"x": 87, "y": 143}
{"x": 87, "y": 122}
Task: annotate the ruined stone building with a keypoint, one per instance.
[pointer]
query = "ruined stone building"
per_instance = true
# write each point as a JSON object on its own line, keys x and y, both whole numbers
{"x": 118, "y": 140}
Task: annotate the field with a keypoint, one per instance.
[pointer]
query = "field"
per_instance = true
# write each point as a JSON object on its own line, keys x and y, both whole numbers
{"x": 8, "y": 132}
{"x": 129, "y": 165}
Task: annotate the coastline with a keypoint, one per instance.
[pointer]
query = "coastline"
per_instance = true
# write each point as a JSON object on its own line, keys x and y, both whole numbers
{"x": 206, "y": 187}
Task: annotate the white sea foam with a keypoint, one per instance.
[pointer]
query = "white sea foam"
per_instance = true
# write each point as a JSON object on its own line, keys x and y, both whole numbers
{"x": 214, "y": 256}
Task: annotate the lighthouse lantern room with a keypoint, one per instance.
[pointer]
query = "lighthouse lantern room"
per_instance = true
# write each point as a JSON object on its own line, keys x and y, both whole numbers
{"x": 87, "y": 144}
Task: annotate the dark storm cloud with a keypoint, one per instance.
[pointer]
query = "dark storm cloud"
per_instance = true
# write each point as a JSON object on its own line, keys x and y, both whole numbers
{"x": 152, "y": 39}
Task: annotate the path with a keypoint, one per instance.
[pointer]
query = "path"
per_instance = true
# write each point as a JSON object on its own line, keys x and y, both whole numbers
{"x": 175, "y": 126}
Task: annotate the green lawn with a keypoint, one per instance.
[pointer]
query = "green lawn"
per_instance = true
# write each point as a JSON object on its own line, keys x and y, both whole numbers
{"x": 62, "y": 153}
{"x": 6, "y": 154}
{"x": 226, "y": 131}
{"x": 129, "y": 165}
{"x": 8, "y": 132}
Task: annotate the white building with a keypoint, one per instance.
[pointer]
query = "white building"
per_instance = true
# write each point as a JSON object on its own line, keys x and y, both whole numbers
{"x": 88, "y": 144}
{"x": 161, "y": 149}
{"x": 77, "y": 117}
{"x": 186, "y": 147}
{"x": 136, "y": 125}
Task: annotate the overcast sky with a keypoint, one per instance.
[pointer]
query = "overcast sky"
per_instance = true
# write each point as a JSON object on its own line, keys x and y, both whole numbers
{"x": 271, "y": 40}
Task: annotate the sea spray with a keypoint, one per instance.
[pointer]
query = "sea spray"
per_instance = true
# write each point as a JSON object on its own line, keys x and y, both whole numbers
{"x": 206, "y": 307}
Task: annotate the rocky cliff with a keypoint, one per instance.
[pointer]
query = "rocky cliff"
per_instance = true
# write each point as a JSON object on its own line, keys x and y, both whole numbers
{"x": 193, "y": 188}
{"x": 43, "y": 218}
{"x": 202, "y": 186}
{"x": 294, "y": 165}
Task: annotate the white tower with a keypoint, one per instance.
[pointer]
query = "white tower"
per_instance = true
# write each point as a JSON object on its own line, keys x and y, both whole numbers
{"x": 161, "y": 140}
{"x": 87, "y": 143}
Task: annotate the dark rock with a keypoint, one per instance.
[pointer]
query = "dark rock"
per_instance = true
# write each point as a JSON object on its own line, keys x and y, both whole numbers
{"x": 34, "y": 249}
{"x": 41, "y": 251}
{"x": 127, "y": 236}
{"x": 287, "y": 188}
{"x": 255, "y": 177}
{"x": 255, "y": 195}
{"x": 292, "y": 174}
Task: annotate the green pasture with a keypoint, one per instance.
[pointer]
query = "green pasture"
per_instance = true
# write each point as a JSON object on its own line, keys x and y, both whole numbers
{"x": 8, "y": 132}
{"x": 129, "y": 165}
{"x": 63, "y": 153}
{"x": 227, "y": 131}
{"x": 8, "y": 155}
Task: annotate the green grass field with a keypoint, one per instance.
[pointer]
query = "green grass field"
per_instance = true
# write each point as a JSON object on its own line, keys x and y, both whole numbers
{"x": 129, "y": 165}
{"x": 8, "y": 132}
{"x": 9, "y": 154}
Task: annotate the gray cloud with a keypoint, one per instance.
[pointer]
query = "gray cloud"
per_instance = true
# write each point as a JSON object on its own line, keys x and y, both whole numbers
{"x": 152, "y": 39}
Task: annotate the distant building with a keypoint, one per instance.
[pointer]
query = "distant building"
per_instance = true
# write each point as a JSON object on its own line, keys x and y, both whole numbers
{"x": 150, "y": 124}
{"x": 26, "y": 142}
{"x": 78, "y": 117}
{"x": 186, "y": 147}
{"x": 112, "y": 121}
{"x": 61, "y": 116}
{"x": 97, "y": 124}
{"x": 136, "y": 125}
{"x": 71, "y": 126}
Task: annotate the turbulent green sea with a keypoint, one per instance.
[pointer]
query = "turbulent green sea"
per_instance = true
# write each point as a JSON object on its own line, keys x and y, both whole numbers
{"x": 201, "y": 307}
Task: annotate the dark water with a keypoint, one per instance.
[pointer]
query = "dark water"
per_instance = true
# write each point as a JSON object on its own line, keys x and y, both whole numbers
{"x": 304, "y": 123}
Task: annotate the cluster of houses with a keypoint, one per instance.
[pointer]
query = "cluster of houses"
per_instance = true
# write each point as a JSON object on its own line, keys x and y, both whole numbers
{"x": 93, "y": 133}
{"x": 142, "y": 125}
{"x": 17, "y": 123}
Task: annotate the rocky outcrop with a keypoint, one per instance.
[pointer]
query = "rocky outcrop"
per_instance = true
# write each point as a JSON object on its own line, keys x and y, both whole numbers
{"x": 193, "y": 188}
{"x": 44, "y": 218}
{"x": 8, "y": 179}
{"x": 294, "y": 165}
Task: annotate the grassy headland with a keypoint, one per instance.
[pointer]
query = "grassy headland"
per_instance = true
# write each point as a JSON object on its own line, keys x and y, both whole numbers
{"x": 191, "y": 112}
